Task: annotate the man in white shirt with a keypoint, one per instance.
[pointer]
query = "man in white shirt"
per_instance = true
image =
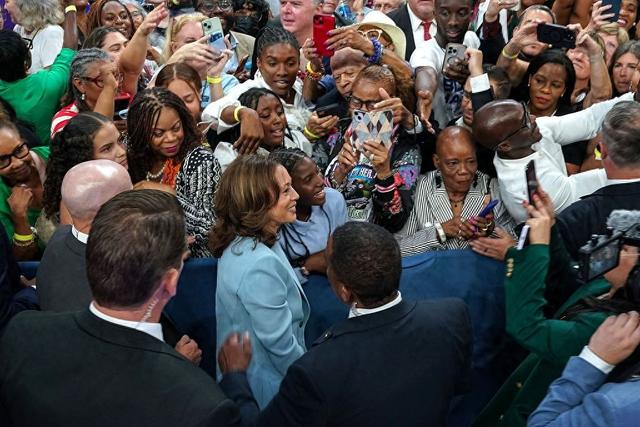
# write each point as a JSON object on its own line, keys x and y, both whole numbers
{"x": 109, "y": 364}
{"x": 506, "y": 127}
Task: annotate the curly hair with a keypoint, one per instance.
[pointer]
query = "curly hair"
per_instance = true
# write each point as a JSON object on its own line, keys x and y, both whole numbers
{"x": 70, "y": 146}
{"x": 142, "y": 118}
{"x": 95, "y": 15}
{"x": 246, "y": 192}
{"x": 79, "y": 70}
{"x": 14, "y": 56}
{"x": 37, "y": 14}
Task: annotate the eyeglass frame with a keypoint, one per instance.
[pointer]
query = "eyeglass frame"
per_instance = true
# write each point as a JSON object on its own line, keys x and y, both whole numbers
{"x": 365, "y": 33}
{"x": 526, "y": 123}
{"x": 216, "y": 5}
{"x": 100, "y": 84}
{"x": 369, "y": 104}
{"x": 14, "y": 154}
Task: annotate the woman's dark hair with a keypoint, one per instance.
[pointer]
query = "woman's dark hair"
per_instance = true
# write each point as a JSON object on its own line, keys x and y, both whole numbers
{"x": 84, "y": 58}
{"x": 179, "y": 71}
{"x": 268, "y": 37}
{"x": 633, "y": 47}
{"x": 290, "y": 158}
{"x": 96, "y": 37}
{"x": 14, "y": 56}
{"x": 246, "y": 192}
{"x": 126, "y": 274}
{"x": 95, "y": 13}
{"x": 143, "y": 115}
{"x": 554, "y": 56}
{"x": 69, "y": 147}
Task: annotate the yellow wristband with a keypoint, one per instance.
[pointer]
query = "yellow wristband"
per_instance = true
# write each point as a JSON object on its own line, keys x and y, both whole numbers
{"x": 23, "y": 237}
{"x": 214, "y": 80}
{"x": 310, "y": 134}
{"x": 506, "y": 55}
{"x": 70, "y": 8}
{"x": 236, "y": 112}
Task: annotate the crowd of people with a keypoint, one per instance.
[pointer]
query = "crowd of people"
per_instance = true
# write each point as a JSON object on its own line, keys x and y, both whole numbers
{"x": 135, "y": 135}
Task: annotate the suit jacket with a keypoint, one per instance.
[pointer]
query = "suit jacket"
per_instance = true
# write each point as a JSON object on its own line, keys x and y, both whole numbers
{"x": 258, "y": 291}
{"x": 245, "y": 44}
{"x": 581, "y": 398}
{"x": 589, "y": 215}
{"x": 96, "y": 373}
{"x": 398, "y": 367}
{"x": 63, "y": 289}
{"x": 401, "y": 18}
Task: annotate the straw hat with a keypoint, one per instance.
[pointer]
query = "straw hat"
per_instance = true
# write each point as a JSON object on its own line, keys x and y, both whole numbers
{"x": 380, "y": 20}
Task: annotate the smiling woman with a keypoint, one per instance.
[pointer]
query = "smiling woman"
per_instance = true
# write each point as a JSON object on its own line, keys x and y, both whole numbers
{"x": 110, "y": 13}
{"x": 164, "y": 148}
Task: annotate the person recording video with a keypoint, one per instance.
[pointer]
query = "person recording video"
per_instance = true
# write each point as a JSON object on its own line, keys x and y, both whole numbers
{"x": 551, "y": 342}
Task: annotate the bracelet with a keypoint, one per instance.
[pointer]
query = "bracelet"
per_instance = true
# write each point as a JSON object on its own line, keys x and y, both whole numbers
{"x": 23, "y": 237}
{"x": 377, "y": 52}
{"x": 442, "y": 236}
{"x": 313, "y": 75}
{"x": 214, "y": 80}
{"x": 310, "y": 134}
{"x": 24, "y": 244}
{"x": 70, "y": 8}
{"x": 595, "y": 58}
{"x": 236, "y": 112}
{"x": 506, "y": 55}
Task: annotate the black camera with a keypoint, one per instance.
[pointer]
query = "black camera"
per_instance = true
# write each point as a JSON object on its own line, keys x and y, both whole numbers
{"x": 601, "y": 254}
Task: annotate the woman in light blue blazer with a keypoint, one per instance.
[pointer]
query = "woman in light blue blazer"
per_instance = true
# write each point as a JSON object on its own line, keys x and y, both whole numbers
{"x": 257, "y": 289}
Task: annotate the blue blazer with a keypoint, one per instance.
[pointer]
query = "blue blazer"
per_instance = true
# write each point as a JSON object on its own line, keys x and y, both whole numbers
{"x": 258, "y": 292}
{"x": 580, "y": 398}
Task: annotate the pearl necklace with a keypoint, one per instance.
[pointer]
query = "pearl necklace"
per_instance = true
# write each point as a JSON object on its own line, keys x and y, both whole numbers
{"x": 155, "y": 176}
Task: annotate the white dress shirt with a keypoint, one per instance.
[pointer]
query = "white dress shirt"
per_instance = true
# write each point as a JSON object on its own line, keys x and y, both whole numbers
{"x": 153, "y": 329}
{"x": 418, "y": 29}
{"x": 355, "y": 311}
{"x": 594, "y": 360}
{"x": 82, "y": 237}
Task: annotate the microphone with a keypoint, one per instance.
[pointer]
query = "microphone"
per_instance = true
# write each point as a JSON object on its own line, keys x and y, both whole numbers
{"x": 623, "y": 220}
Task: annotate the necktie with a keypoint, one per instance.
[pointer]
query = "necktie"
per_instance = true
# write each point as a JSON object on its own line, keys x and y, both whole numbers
{"x": 426, "y": 25}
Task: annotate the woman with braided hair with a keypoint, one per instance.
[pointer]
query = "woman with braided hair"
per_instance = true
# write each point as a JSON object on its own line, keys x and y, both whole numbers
{"x": 87, "y": 136}
{"x": 276, "y": 62}
{"x": 273, "y": 121}
{"x": 164, "y": 150}
{"x": 319, "y": 211}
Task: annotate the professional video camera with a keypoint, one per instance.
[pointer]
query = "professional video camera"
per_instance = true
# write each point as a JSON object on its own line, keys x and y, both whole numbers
{"x": 602, "y": 253}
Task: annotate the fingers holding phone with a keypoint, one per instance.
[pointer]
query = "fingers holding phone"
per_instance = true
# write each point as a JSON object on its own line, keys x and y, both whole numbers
{"x": 378, "y": 155}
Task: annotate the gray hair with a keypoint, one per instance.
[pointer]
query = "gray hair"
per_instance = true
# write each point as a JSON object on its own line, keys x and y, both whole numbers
{"x": 621, "y": 134}
{"x": 137, "y": 5}
{"x": 80, "y": 65}
{"x": 37, "y": 14}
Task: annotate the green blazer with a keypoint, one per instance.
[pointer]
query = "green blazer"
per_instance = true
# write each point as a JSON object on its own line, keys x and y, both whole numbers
{"x": 551, "y": 342}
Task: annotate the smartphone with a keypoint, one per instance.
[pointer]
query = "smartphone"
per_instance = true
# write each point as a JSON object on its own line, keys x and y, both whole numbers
{"x": 212, "y": 27}
{"x": 556, "y": 35}
{"x": 454, "y": 51}
{"x": 322, "y": 24}
{"x": 615, "y": 9}
{"x": 532, "y": 180}
{"x": 524, "y": 234}
{"x": 372, "y": 125}
{"x": 488, "y": 209}
{"x": 601, "y": 256}
{"x": 121, "y": 107}
{"x": 328, "y": 110}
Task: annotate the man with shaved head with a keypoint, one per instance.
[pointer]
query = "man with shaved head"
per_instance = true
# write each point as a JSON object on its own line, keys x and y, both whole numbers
{"x": 448, "y": 200}
{"x": 517, "y": 137}
{"x": 62, "y": 278}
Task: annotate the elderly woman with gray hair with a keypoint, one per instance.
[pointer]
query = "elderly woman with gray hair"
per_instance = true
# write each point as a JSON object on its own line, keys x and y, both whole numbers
{"x": 93, "y": 86}
{"x": 38, "y": 23}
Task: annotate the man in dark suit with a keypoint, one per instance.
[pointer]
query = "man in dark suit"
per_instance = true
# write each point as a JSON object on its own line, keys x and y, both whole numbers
{"x": 393, "y": 362}
{"x": 620, "y": 148}
{"x": 85, "y": 188}
{"x": 415, "y": 19}
{"x": 108, "y": 364}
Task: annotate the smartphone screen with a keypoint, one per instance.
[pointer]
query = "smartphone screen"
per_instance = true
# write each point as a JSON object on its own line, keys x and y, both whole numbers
{"x": 603, "y": 259}
{"x": 322, "y": 24}
{"x": 532, "y": 180}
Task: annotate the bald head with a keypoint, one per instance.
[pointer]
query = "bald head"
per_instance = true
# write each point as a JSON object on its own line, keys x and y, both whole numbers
{"x": 347, "y": 56}
{"x": 454, "y": 135}
{"x": 495, "y": 121}
{"x": 88, "y": 185}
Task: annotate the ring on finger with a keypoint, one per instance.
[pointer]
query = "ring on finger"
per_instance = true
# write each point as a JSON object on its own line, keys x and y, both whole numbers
{"x": 372, "y": 158}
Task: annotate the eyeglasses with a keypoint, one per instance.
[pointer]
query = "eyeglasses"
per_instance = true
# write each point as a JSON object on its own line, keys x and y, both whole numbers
{"x": 526, "y": 123}
{"x": 372, "y": 33}
{"x": 20, "y": 152}
{"x": 99, "y": 82}
{"x": 222, "y": 4}
{"x": 28, "y": 42}
{"x": 358, "y": 103}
